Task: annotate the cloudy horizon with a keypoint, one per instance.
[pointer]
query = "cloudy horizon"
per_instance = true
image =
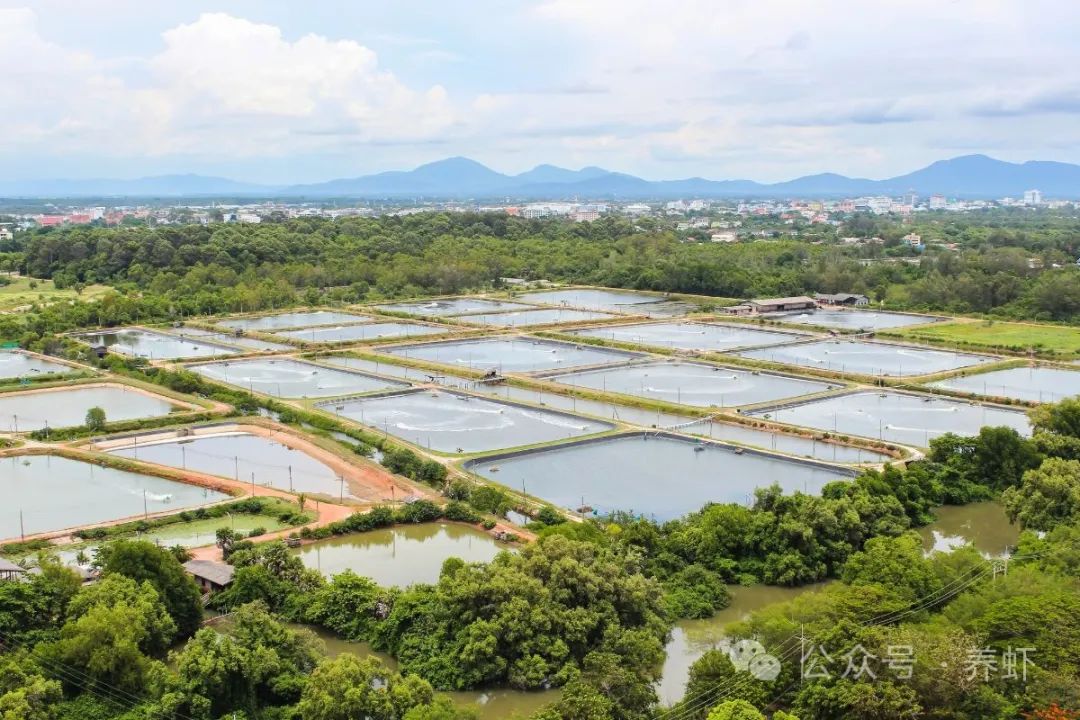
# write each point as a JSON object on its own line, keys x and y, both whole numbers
{"x": 278, "y": 93}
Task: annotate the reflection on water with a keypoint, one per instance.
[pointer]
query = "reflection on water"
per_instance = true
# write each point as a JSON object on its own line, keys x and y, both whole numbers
{"x": 402, "y": 555}
{"x": 693, "y": 638}
{"x": 983, "y": 524}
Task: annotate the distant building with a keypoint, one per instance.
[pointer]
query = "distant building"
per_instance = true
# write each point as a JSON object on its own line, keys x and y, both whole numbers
{"x": 724, "y": 237}
{"x": 912, "y": 239}
{"x": 938, "y": 202}
{"x": 767, "y": 305}
{"x": 1033, "y": 197}
{"x": 6, "y": 234}
{"x": 850, "y": 299}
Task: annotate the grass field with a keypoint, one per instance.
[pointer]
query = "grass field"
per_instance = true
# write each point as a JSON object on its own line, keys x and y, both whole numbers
{"x": 19, "y": 294}
{"x": 1018, "y": 337}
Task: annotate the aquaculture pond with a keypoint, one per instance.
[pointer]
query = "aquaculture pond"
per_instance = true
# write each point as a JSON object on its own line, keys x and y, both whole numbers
{"x": 528, "y": 318}
{"x": 457, "y": 423}
{"x": 66, "y": 407}
{"x": 626, "y": 302}
{"x": 1034, "y": 384}
{"x": 854, "y": 319}
{"x": 709, "y": 337}
{"x": 769, "y": 440}
{"x": 154, "y": 345}
{"x": 265, "y": 323}
{"x": 896, "y": 417}
{"x": 16, "y": 364}
{"x": 244, "y": 457}
{"x": 453, "y": 306}
{"x": 659, "y": 476}
{"x": 366, "y": 331}
{"x": 401, "y": 555}
{"x": 510, "y": 354}
{"x": 228, "y": 338}
{"x": 289, "y": 378}
{"x": 693, "y": 383}
{"x": 983, "y": 525}
{"x": 53, "y": 493}
{"x": 868, "y": 358}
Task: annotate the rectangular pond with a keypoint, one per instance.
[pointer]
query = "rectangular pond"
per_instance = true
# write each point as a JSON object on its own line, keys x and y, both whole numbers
{"x": 854, "y": 319}
{"x": 868, "y": 358}
{"x": 768, "y": 440}
{"x": 289, "y": 378}
{"x": 528, "y": 318}
{"x": 66, "y": 407}
{"x": 656, "y": 475}
{"x": 282, "y": 321}
{"x": 154, "y": 345}
{"x": 511, "y": 354}
{"x": 399, "y": 556}
{"x": 456, "y": 423}
{"x": 896, "y": 417}
{"x": 452, "y": 306}
{"x": 1034, "y": 384}
{"x": 710, "y": 337}
{"x": 227, "y": 338}
{"x": 17, "y": 364}
{"x": 694, "y": 384}
{"x": 367, "y": 331}
{"x": 241, "y": 456}
{"x": 56, "y": 493}
{"x": 593, "y": 299}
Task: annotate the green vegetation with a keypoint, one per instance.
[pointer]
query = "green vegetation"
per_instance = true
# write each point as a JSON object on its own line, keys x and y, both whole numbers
{"x": 271, "y": 507}
{"x": 25, "y": 293}
{"x": 1001, "y": 336}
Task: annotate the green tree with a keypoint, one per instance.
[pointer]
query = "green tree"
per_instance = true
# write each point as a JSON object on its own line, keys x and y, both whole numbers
{"x": 25, "y": 692}
{"x": 95, "y": 419}
{"x": 145, "y": 561}
{"x": 735, "y": 710}
{"x": 1047, "y": 496}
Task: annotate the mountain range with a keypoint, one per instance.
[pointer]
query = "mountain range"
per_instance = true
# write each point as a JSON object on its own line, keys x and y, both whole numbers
{"x": 969, "y": 176}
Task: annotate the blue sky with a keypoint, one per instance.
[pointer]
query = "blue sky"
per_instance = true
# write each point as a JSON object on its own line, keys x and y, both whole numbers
{"x": 285, "y": 91}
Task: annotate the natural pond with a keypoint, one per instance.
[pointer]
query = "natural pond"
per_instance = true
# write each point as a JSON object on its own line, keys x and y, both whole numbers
{"x": 15, "y": 364}
{"x": 54, "y": 493}
{"x": 660, "y": 476}
{"x": 708, "y": 337}
{"x": 854, "y": 319}
{"x": 527, "y": 318}
{"x": 366, "y": 331}
{"x": 982, "y": 524}
{"x": 452, "y": 306}
{"x": 66, "y": 407}
{"x": 510, "y": 354}
{"x": 693, "y": 383}
{"x": 896, "y": 417}
{"x": 401, "y": 555}
{"x": 289, "y": 378}
{"x": 244, "y": 457}
{"x": 868, "y": 358}
{"x": 1034, "y": 384}
{"x": 153, "y": 345}
{"x": 457, "y": 423}
{"x": 264, "y": 323}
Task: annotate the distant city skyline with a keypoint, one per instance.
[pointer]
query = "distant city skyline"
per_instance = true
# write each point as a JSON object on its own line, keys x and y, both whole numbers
{"x": 276, "y": 92}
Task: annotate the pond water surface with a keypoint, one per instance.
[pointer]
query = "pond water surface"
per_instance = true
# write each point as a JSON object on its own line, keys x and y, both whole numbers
{"x": 659, "y": 476}
{"x": 289, "y": 378}
{"x": 708, "y": 337}
{"x": 283, "y": 321}
{"x": 526, "y": 318}
{"x": 854, "y": 319}
{"x": 154, "y": 345}
{"x": 868, "y": 358}
{"x": 366, "y": 331}
{"x": 402, "y": 555}
{"x": 510, "y": 354}
{"x": 896, "y": 417}
{"x": 1034, "y": 384}
{"x": 457, "y": 423}
{"x": 453, "y": 306}
{"x": 15, "y": 364}
{"x": 54, "y": 493}
{"x": 67, "y": 407}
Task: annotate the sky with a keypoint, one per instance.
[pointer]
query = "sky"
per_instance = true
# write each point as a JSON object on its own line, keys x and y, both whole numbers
{"x": 282, "y": 91}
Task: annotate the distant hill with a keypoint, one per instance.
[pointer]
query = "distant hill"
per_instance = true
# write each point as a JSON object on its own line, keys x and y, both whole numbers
{"x": 969, "y": 176}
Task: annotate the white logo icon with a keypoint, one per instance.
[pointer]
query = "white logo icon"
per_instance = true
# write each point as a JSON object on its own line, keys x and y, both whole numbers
{"x": 750, "y": 656}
